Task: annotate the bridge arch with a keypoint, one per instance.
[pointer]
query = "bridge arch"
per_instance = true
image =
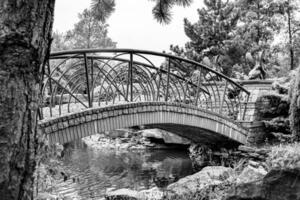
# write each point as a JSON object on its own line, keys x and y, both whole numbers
{"x": 187, "y": 121}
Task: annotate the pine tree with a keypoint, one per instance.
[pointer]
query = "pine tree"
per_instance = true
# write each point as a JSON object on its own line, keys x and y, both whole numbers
{"x": 25, "y": 38}
{"x": 211, "y": 36}
{"x": 258, "y": 25}
{"x": 161, "y": 10}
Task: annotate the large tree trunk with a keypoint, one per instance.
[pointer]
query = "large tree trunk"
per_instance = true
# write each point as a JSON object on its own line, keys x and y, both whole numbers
{"x": 25, "y": 32}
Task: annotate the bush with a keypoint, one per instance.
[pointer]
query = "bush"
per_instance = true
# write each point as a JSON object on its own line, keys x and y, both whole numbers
{"x": 284, "y": 156}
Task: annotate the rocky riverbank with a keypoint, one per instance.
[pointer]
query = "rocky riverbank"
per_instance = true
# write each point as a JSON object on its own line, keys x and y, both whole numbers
{"x": 129, "y": 139}
{"x": 276, "y": 178}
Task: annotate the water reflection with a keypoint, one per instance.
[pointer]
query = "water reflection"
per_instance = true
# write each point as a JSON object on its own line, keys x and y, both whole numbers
{"x": 94, "y": 171}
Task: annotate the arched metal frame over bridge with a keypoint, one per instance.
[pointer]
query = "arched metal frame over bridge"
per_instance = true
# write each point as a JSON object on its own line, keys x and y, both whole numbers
{"x": 83, "y": 79}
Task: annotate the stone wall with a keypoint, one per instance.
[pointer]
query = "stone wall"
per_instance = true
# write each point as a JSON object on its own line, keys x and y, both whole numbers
{"x": 252, "y": 122}
{"x": 256, "y": 89}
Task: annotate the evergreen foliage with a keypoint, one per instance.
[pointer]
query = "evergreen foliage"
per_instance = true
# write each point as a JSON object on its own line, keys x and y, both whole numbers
{"x": 162, "y": 9}
{"x": 212, "y": 36}
{"x": 102, "y": 9}
{"x": 235, "y": 36}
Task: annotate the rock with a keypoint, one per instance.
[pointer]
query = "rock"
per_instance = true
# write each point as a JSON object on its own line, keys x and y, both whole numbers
{"x": 246, "y": 191}
{"x": 119, "y": 133}
{"x": 45, "y": 196}
{"x": 151, "y": 194}
{"x": 254, "y": 155}
{"x": 251, "y": 174}
{"x": 149, "y": 145}
{"x": 278, "y": 184}
{"x": 278, "y": 124}
{"x": 122, "y": 194}
{"x": 193, "y": 183}
{"x": 167, "y": 137}
{"x": 204, "y": 181}
{"x": 262, "y": 151}
{"x": 281, "y": 137}
{"x": 253, "y": 164}
{"x": 282, "y": 184}
{"x": 246, "y": 148}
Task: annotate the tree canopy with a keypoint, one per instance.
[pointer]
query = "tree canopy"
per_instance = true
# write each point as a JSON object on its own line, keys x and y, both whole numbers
{"x": 88, "y": 32}
{"x": 233, "y": 36}
{"x": 161, "y": 11}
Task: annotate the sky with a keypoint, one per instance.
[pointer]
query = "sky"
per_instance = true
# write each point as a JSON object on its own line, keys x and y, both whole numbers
{"x": 132, "y": 24}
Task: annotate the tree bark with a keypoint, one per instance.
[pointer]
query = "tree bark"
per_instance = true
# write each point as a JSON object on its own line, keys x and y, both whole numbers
{"x": 25, "y": 32}
{"x": 291, "y": 48}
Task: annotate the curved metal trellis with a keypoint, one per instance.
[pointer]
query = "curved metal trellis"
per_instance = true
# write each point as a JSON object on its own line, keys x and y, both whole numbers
{"x": 81, "y": 79}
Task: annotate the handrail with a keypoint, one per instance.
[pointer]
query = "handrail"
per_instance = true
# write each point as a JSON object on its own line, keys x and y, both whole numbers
{"x": 78, "y": 51}
{"x": 117, "y": 79}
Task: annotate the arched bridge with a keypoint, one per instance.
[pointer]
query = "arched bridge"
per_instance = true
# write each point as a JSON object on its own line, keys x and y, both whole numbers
{"x": 91, "y": 91}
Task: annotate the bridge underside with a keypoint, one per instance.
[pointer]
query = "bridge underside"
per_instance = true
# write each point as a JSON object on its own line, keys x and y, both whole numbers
{"x": 188, "y": 121}
{"x": 198, "y": 135}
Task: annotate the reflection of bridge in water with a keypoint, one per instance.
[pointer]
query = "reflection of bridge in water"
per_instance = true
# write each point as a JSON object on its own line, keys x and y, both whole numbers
{"x": 91, "y": 91}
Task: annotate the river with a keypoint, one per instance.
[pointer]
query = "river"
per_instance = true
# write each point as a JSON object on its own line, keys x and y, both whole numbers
{"x": 93, "y": 172}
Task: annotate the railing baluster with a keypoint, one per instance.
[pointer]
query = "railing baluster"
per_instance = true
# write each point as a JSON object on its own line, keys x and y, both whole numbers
{"x": 245, "y": 110}
{"x": 186, "y": 91}
{"x": 131, "y": 76}
{"x": 92, "y": 80}
{"x": 128, "y": 82}
{"x": 168, "y": 80}
{"x": 158, "y": 87}
{"x": 223, "y": 97}
{"x": 87, "y": 79}
{"x": 198, "y": 86}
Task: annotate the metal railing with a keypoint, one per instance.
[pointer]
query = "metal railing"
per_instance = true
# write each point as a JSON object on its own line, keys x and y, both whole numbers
{"x": 81, "y": 79}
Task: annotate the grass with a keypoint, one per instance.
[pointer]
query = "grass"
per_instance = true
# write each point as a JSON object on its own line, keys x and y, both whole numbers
{"x": 284, "y": 156}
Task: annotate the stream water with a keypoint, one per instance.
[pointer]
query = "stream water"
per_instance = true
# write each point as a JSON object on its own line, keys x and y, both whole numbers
{"x": 93, "y": 172}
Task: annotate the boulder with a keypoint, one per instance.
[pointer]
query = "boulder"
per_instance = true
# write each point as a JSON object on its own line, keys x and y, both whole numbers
{"x": 167, "y": 137}
{"x": 251, "y": 173}
{"x": 196, "y": 185}
{"x": 199, "y": 184}
{"x": 278, "y": 184}
{"x": 188, "y": 187}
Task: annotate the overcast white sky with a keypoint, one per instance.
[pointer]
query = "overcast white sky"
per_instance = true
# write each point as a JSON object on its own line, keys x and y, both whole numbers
{"x": 132, "y": 24}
